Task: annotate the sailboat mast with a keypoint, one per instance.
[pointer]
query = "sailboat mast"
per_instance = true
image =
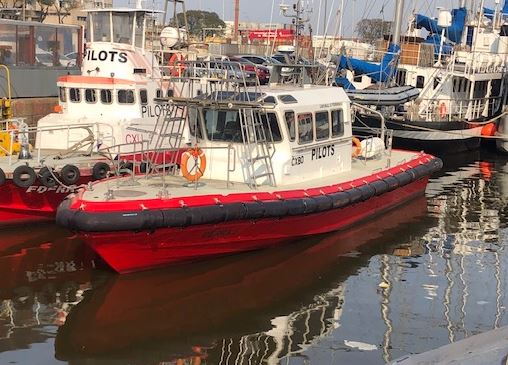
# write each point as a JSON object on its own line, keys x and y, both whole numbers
{"x": 397, "y": 24}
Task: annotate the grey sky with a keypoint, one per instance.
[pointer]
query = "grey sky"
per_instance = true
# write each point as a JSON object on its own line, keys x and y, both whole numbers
{"x": 354, "y": 10}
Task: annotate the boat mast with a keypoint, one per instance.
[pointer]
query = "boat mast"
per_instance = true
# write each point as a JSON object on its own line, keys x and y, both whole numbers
{"x": 397, "y": 24}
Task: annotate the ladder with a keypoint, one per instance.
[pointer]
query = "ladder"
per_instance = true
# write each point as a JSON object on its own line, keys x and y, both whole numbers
{"x": 167, "y": 136}
{"x": 257, "y": 146}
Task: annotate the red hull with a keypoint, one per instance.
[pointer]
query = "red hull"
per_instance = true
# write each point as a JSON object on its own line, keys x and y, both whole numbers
{"x": 34, "y": 203}
{"x": 128, "y": 251}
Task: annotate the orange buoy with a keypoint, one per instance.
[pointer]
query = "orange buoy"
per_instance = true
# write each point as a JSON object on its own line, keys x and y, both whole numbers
{"x": 357, "y": 147}
{"x": 442, "y": 110}
{"x": 176, "y": 64}
{"x": 198, "y": 169}
{"x": 489, "y": 129}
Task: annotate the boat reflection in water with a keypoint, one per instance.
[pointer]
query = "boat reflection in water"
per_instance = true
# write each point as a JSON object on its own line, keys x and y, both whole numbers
{"x": 254, "y": 307}
{"x": 43, "y": 273}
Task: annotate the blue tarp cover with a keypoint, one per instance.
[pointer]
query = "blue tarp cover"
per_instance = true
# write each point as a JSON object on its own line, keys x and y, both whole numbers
{"x": 453, "y": 33}
{"x": 382, "y": 72}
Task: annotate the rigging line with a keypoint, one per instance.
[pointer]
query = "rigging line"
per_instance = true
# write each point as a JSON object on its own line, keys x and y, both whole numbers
{"x": 326, "y": 28}
{"x": 271, "y": 22}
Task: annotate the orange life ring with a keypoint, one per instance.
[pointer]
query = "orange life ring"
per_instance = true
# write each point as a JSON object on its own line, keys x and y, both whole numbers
{"x": 358, "y": 147}
{"x": 442, "y": 110}
{"x": 198, "y": 169}
{"x": 176, "y": 64}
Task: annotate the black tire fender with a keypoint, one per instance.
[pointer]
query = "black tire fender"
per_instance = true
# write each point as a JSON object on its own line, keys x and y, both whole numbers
{"x": 70, "y": 174}
{"x": 46, "y": 177}
{"x": 23, "y": 176}
{"x": 100, "y": 170}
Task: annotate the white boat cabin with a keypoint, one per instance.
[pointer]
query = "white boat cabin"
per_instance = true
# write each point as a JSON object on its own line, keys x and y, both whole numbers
{"x": 118, "y": 83}
{"x": 308, "y": 135}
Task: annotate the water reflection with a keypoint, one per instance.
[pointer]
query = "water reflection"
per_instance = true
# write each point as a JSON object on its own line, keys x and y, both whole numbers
{"x": 44, "y": 273}
{"x": 429, "y": 273}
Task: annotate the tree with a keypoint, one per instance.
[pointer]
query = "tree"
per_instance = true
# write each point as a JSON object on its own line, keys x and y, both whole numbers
{"x": 370, "y": 30}
{"x": 197, "y": 20}
{"x": 63, "y": 8}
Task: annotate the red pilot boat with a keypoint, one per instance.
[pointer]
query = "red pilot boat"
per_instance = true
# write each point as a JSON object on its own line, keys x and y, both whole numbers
{"x": 270, "y": 164}
{"x": 108, "y": 106}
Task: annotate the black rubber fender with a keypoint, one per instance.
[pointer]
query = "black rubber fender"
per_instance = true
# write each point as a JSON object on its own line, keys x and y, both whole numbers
{"x": 100, "y": 170}
{"x": 70, "y": 174}
{"x": 392, "y": 182}
{"x": 355, "y": 195}
{"x": 23, "y": 176}
{"x": 310, "y": 205}
{"x": 46, "y": 177}
{"x": 295, "y": 206}
{"x": 235, "y": 211}
{"x": 323, "y": 202}
{"x": 2, "y": 177}
{"x": 340, "y": 199}
{"x": 421, "y": 171}
{"x": 152, "y": 219}
{"x": 275, "y": 209}
{"x": 207, "y": 214}
{"x": 403, "y": 178}
{"x": 255, "y": 210}
{"x": 380, "y": 186}
{"x": 179, "y": 217}
{"x": 435, "y": 165}
{"x": 367, "y": 191}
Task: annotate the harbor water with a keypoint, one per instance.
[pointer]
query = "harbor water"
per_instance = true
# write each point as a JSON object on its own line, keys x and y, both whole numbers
{"x": 428, "y": 273}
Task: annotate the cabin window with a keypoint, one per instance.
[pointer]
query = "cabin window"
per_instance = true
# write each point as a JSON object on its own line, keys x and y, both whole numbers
{"x": 101, "y": 27}
{"x": 75, "y": 95}
{"x": 126, "y": 96}
{"x": 158, "y": 93}
{"x": 400, "y": 77}
{"x": 122, "y": 27}
{"x": 322, "y": 126}
{"x": 222, "y": 125}
{"x": 106, "y": 97}
{"x": 337, "y": 123}
{"x": 194, "y": 127}
{"x": 287, "y": 99}
{"x": 270, "y": 124}
{"x": 420, "y": 82}
{"x": 90, "y": 96}
{"x": 270, "y": 100}
{"x": 357, "y": 78}
{"x": 143, "y": 96}
{"x": 305, "y": 130}
{"x": 170, "y": 93}
{"x": 63, "y": 95}
{"x": 289, "y": 117}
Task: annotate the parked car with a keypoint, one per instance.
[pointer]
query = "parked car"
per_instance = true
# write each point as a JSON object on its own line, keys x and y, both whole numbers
{"x": 261, "y": 60}
{"x": 223, "y": 69}
{"x": 46, "y": 58}
{"x": 262, "y": 72}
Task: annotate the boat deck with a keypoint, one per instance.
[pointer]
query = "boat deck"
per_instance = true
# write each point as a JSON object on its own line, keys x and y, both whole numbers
{"x": 169, "y": 187}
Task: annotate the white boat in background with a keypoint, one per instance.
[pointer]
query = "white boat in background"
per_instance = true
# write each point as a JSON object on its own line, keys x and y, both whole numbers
{"x": 461, "y": 82}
